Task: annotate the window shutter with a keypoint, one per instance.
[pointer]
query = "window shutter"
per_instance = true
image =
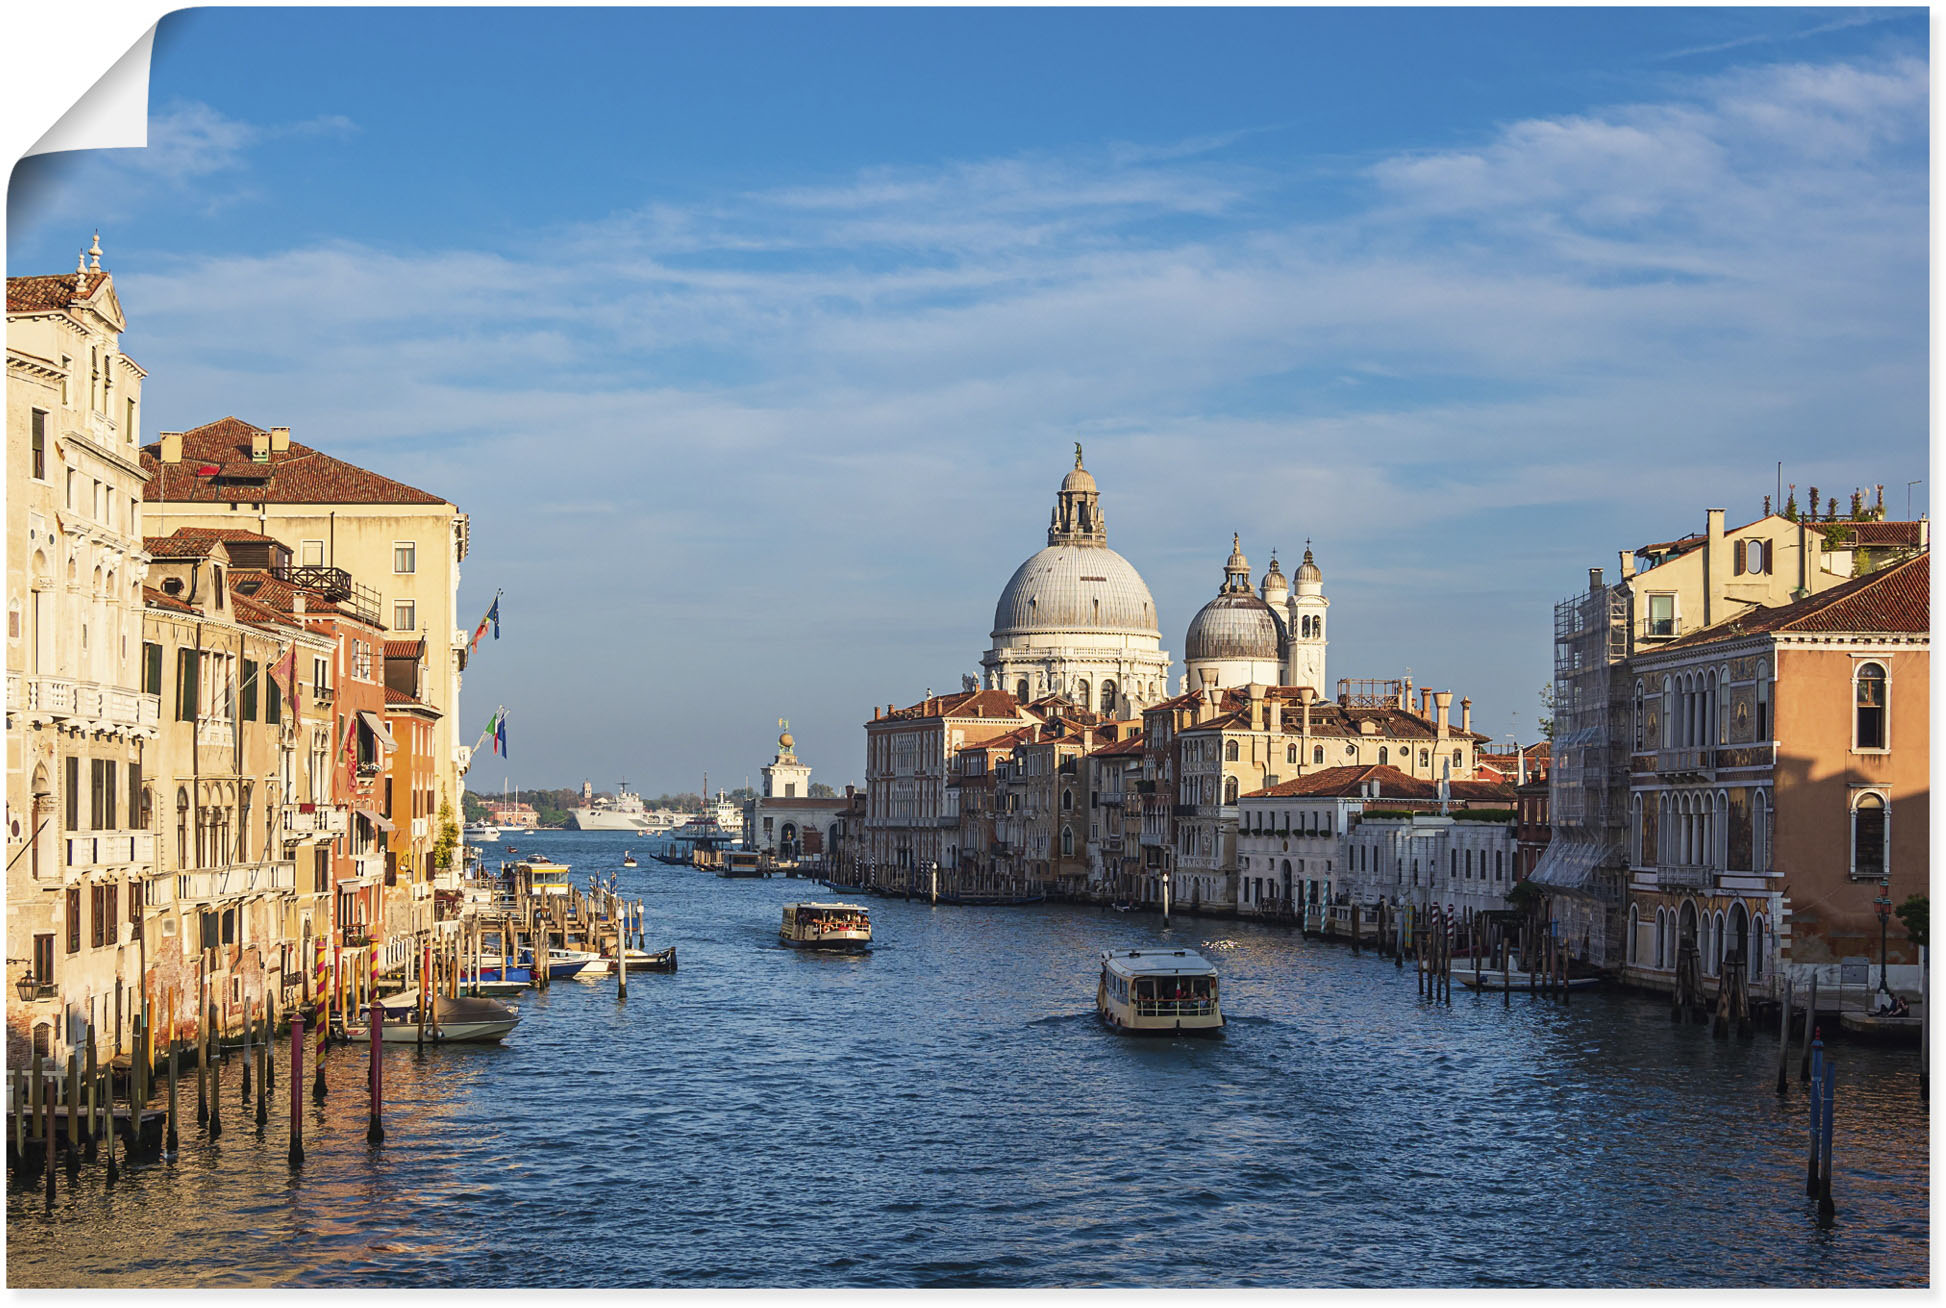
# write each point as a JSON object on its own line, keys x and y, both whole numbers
{"x": 74, "y": 919}
{"x": 72, "y": 801}
{"x": 1742, "y": 554}
{"x": 249, "y": 690}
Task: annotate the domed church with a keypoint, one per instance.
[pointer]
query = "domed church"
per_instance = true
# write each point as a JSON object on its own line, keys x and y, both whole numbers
{"x": 1271, "y": 637}
{"x": 1077, "y": 619}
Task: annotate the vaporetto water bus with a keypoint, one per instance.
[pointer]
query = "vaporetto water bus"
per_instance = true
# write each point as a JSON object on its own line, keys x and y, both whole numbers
{"x": 1158, "y": 992}
{"x": 841, "y": 928}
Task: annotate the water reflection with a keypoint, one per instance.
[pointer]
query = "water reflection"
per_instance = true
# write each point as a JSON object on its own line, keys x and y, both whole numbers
{"x": 946, "y": 1111}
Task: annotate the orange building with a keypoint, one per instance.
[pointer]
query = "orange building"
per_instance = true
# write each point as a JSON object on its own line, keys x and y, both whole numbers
{"x": 1779, "y": 788}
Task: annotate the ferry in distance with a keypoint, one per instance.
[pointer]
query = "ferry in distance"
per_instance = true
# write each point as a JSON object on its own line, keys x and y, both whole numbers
{"x": 625, "y": 812}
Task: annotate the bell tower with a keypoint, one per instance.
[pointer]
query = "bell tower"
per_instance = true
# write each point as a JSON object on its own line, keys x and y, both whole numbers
{"x": 784, "y": 776}
{"x": 1304, "y": 659}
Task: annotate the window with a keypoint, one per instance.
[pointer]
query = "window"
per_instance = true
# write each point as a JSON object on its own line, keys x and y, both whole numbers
{"x": 40, "y": 445}
{"x": 310, "y": 553}
{"x": 74, "y": 919}
{"x": 182, "y": 828}
{"x": 1383, "y": 755}
{"x": 405, "y": 615}
{"x": 1290, "y": 754}
{"x": 321, "y": 677}
{"x": 1425, "y": 758}
{"x": 44, "y": 963}
{"x": 273, "y": 700}
{"x": 186, "y": 685}
{"x": 249, "y": 690}
{"x": 101, "y": 794}
{"x": 1317, "y": 753}
{"x": 1662, "y": 615}
{"x": 72, "y": 799}
{"x": 405, "y": 556}
{"x": 151, "y": 668}
{"x": 138, "y": 799}
{"x": 1869, "y": 834}
{"x": 1869, "y": 698}
{"x": 1763, "y": 703}
{"x": 1229, "y": 790}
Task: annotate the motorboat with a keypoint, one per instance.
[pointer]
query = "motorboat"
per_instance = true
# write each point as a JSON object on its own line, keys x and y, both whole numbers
{"x": 547, "y": 876}
{"x": 834, "y": 927}
{"x": 741, "y": 863}
{"x": 642, "y": 960}
{"x": 1513, "y": 977}
{"x": 561, "y": 963}
{"x": 494, "y": 989}
{"x": 467, "y": 1019}
{"x": 481, "y": 833}
{"x": 1158, "y": 992}
{"x": 628, "y": 859}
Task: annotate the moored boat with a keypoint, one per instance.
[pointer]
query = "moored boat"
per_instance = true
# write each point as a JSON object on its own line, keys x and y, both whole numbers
{"x": 741, "y": 863}
{"x": 642, "y": 960}
{"x": 840, "y": 928}
{"x": 465, "y": 1020}
{"x": 1158, "y": 992}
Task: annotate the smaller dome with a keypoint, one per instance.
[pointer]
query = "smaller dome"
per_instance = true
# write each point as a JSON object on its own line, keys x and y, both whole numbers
{"x": 1308, "y": 570}
{"x": 1080, "y": 479}
{"x": 1237, "y": 563}
{"x": 1234, "y": 625}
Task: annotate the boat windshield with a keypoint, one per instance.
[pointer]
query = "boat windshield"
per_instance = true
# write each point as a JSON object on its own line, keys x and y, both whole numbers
{"x": 1175, "y": 996}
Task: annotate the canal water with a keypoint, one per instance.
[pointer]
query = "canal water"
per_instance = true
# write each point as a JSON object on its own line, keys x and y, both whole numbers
{"x": 947, "y": 1112}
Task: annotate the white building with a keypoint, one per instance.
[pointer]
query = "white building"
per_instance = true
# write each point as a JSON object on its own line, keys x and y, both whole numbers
{"x": 1076, "y": 619}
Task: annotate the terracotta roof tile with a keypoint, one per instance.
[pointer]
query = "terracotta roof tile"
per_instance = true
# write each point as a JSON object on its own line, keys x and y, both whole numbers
{"x": 298, "y": 475}
{"x": 155, "y": 599}
{"x": 178, "y": 546}
{"x": 404, "y": 649}
{"x": 1349, "y": 782}
{"x": 1897, "y": 598}
{"x": 52, "y": 291}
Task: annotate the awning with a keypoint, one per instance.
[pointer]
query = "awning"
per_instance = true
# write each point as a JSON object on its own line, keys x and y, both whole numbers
{"x": 379, "y": 732}
{"x": 377, "y": 819}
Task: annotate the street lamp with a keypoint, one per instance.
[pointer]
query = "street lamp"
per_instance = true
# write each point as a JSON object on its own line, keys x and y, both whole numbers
{"x": 26, "y": 987}
{"x": 1884, "y": 903}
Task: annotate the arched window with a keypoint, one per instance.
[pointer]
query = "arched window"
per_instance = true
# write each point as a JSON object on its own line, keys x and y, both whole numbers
{"x": 1067, "y": 842}
{"x": 1661, "y": 937}
{"x": 1757, "y": 948}
{"x": 1081, "y": 693}
{"x": 1290, "y": 754}
{"x": 1067, "y": 801}
{"x": 1635, "y": 831}
{"x": 1107, "y": 696}
{"x": 1425, "y": 758}
{"x": 1020, "y": 690}
{"x": 1638, "y": 715}
{"x": 1634, "y": 931}
{"x": 1870, "y": 834}
{"x": 1229, "y": 790}
{"x": 1760, "y": 832}
{"x": 1317, "y": 753}
{"x": 1499, "y": 863}
{"x": 1459, "y": 758}
{"x": 1229, "y": 751}
{"x": 1382, "y": 756}
{"x": 1869, "y": 700}
{"x": 182, "y": 827}
{"x": 1668, "y": 711}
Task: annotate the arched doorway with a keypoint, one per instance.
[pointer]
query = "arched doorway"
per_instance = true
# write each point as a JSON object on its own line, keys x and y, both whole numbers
{"x": 1737, "y": 945}
{"x": 787, "y": 842}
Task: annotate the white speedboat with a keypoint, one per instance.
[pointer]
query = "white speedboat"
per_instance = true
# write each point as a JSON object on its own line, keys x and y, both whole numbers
{"x": 452, "y": 1021}
{"x": 481, "y": 833}
{"x": 1158, "y": 992}
{"x": 842, "y": 928}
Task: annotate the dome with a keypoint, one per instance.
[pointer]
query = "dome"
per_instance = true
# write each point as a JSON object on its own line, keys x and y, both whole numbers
{"x": 1079, "y": 480}
{"x": 785, "y": 743}
{"x": 1234, "y": 625}
{"x": 1308, "y": 570}
{"x": 1075, "y": 588}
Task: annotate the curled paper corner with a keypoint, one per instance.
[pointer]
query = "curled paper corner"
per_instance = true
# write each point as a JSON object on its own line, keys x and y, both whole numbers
{"x": 111, "y": 114}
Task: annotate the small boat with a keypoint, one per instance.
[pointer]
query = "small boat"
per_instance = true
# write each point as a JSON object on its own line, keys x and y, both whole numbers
{"x": 641, "y": 960}
{"x": 839, "y": 928}
{"x": 547, "y": 876}
{"x": 494, "y": 971}
{"x": 481, "y": 833}
{"x": 1514, "y": 978}
{"x": 977, "y": 900}
{"x": 1158, "y": 992}
{"x": 493, "y": 989}
{"x": 561, "y": 963}
{"x": 628, "y": 859}
{"x": 453, "y": 1021}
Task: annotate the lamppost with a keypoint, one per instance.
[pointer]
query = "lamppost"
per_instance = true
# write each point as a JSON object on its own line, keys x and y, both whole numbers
{"x": 1884, "y": 903}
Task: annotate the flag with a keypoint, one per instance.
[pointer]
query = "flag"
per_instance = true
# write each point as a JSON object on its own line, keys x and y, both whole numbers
{"x": 500, "y": 742}
{"x": 351, "y": 732}
{"x": 284, "y": 673}
{"x": 492, "y": 619}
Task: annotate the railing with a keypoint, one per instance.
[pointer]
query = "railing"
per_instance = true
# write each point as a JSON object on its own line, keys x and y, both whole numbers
{"x": 233, "y": 882}
{"x": 335, "y": 584}
{"x": 1699, "y": 759}
{"x": 217, "y": 733}
{"x": 109, "y": 848}
{"x": 1175, "y": 1007}
{"x": 1682, "y": 876}
{"x": 64, "y": 697}
{"x": 322, "y": 819}
{"x": 14, "y": 689}
{"x": 1183, "y": 810}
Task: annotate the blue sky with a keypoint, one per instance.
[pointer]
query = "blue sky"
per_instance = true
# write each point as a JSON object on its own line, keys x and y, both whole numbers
{"x": 755, "y": 341}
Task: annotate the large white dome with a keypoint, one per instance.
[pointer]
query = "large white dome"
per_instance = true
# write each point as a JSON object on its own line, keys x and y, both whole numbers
{"x": 1075, "y": 588}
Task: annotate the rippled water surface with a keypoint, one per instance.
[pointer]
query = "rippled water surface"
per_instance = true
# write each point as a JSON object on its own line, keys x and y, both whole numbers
{"x": 947, "y": 1112}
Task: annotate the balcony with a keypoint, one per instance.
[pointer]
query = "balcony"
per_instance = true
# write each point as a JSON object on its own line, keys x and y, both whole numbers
{"x": 1183, "y": 810}
{"x": 111, "y": 849}
{"x": 1144, "y": 787}
{"x": 334, "y": 584}
{"x": 1682, "y": 876}
{"x": 235, "y": 882}
{"x": 216, "y": 733}
{"x": 314, "y": 819}
{"x": 1697, "y": 762}
{"x": 96, "y": 706}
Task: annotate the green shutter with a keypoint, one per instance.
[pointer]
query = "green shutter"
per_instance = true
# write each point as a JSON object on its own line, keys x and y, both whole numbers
{"x": 249, "y": 691}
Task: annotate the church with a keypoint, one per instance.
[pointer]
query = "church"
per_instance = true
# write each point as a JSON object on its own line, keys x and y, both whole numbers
{"x": 1077, "y": 620}
{"x": 786, "y": 821}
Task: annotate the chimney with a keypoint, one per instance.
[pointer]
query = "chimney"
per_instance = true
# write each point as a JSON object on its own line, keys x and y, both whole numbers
{"x": 1628, "y": 564}
{"x": 1256, "y": 694}
{"x": 172, "y": 447}
{"x": 875, "y": 713}
{"x": 1466, "y": 715}
{"x": 1425, "y": 702}
{"x": 260, "y": 447}
{"x": 1521, "y": 769}
{"x": 1715, "y": 568}
{"x": 1594, "y": 579}
{"x": 1305, "y": 694}
{"x": 280, "y": 439}
{"x": 1444, "y": 699}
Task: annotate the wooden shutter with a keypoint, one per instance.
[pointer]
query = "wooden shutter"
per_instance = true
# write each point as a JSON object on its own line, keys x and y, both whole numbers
{"x": 1741, "y": 553}
{"x": 72, "y": 801}
{"x": 74, "y": 919}
{"x": 249, "y": 690}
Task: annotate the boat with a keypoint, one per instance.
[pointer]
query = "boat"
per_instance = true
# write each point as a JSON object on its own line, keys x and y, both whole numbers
{"x": 741, "y": 863}
{"x": 547, "y": 876}
{"x": 1883, "y": 1027}
{"x": 833, "y": 927}
{"x": 1158, "y": 992}
{"x": 641, "y": 960}
{"x": 991, "y": 901}
{"x": 481, "y": 833}
{"x": 628, "y": 859}
{"x": 1514, "y": 977}
{"x": 493, "y": 989}
{"x": 625, "y": 812}
{"x": 464, "y": 1020}
{"x": 561, "y": 963}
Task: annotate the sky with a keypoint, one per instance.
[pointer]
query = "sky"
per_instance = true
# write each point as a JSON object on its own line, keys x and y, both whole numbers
{"x": 755, "y": 342}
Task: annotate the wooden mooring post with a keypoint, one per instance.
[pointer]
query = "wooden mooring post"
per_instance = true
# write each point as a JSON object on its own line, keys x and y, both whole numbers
{"x": 91, "y": 1090}
{"x": 215, "y": 1083}
{"x": 375, "y": 1129}
{"x": 1810, "y": 1025}
{"x": 1812, "y": 1175}
{"x": 1827, "y": 1211}
{"x": 1784, "y": 1039}
{"x": 47, "y": 1129}
{"x": 297, "y": 1088}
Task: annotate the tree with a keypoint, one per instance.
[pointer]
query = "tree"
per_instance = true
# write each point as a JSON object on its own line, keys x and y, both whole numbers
{"x": 1916, "y": 914}
{"x": 1790, "y": 503}
{"x": 472, "y": 807}
{"x": 1546, "y": 720}
{"x": 447, "y": 840}
{"x": 821, "y": 791}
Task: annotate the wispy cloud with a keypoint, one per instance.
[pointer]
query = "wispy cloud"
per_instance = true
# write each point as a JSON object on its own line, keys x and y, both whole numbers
{"x": 809, "y": 403}
{"x": 1862, "y": 18}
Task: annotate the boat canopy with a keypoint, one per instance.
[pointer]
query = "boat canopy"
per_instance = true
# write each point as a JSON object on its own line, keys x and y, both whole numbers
{"x": 1157, "y": 962}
